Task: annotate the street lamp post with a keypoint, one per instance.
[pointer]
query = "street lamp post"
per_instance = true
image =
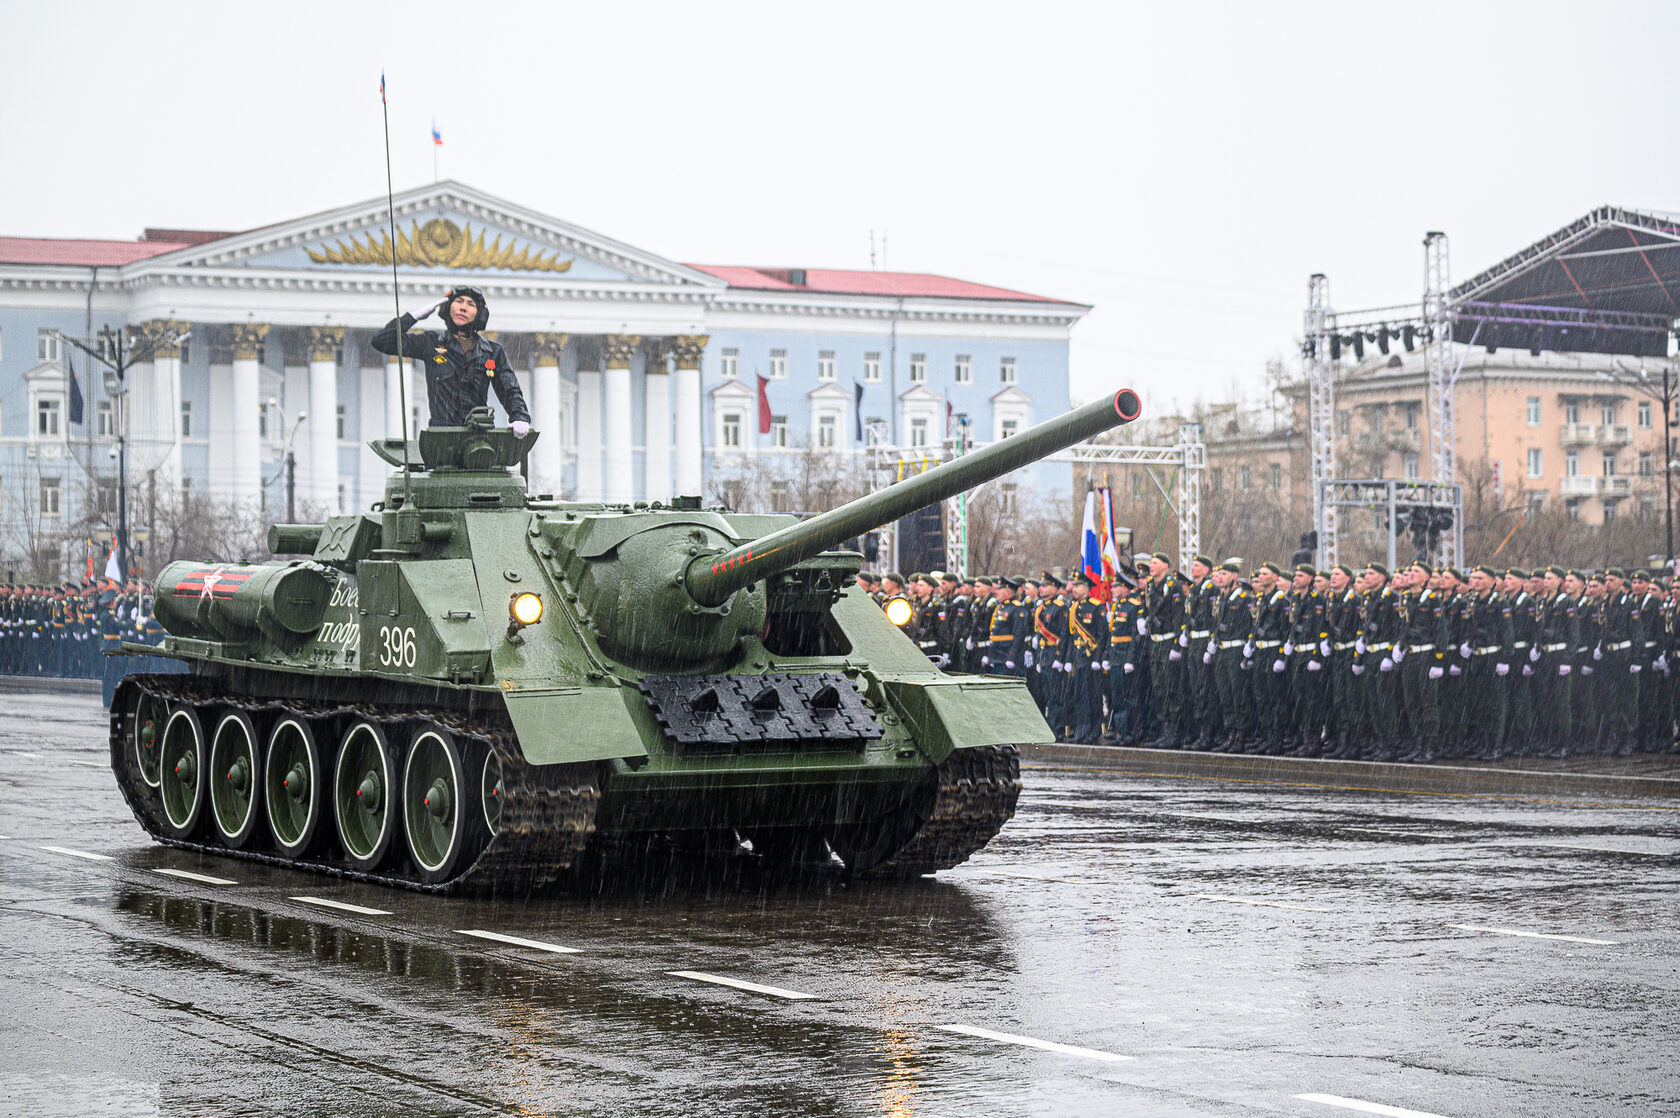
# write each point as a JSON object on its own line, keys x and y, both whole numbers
{"x": 288, "y": 462}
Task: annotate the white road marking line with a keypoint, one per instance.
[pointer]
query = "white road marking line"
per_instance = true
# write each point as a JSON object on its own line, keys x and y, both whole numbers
{"x": 79, "y": 854}
{"x": 1034, "y": 1042}
{"x": 24, "y": 753}
{"x": 1257, "y": 901}
{"x": 1603, "y": 849}
{"x": 342, "y": 906}
{"x": 736, "y": 983}
{"x": 5, "y": 836}
{"x": 1532, "y": 935}
{"x": 536, "y": 945}
{"x": 91, "y": 764}
{"x": 1367, "y": 1107}
{"x": 1388, "y": 831}
{"x": 1218, "y": 818}
{"x": 204, "y": 879}
{"x": 1037, "y": 877}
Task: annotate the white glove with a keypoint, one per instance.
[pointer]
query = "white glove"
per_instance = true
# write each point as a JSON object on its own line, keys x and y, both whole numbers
{"x": 1068, "y": 667}
{"x": 1248, "y": 651}
{"x": 969, "y": 644}
{"x": 520, "y": 428}
{"x": 1528, "y": 669}
{"x": 1184, "y": 640}
{"x": 1143, "y": 627}
{"x": 1278, "y": 665}
{"x": 430, "y": 311}
{"x": 1289, "y": 648}
{"x": 1598, "y": 654}
{"x": 1435, "y": 672}
{"x": 1399, "y": 653}
{"x": 1661, "y": 663}
{"x": 1387, "y": 665}
{"x": 985, "y": 661}
{"x": 1313, "y": 665}
{"x": 1175, "y": 654}
{"x": 1359, "y": 669}
{"x": 1359, "y": 646}
{"x": 1207, "y": 657}
{"x": 1055, "y": 665}
{"x": 1128, "y": 666}
{"x": 1586, "y": 669}
{"x": 1096, "y": 665}
{"x": 1106, "y": 665}
{"x": 1009, "y": 663}
{"x": 1324, "y": 648}
{"x": 1564, "y": 669}
{"x": 1534, "y": 655}
{"x": 1464, "y": 650}
{"x": 1028, "y": 658}
{"x": 1455, "y": 670}
{"x": 1501, "y": 669}
{"x": 1633, "y": 669}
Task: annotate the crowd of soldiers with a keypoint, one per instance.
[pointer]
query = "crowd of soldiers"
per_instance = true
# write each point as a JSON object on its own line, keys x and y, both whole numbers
{"x": 1417, "y": 664}
{"x": 64, "y": 629}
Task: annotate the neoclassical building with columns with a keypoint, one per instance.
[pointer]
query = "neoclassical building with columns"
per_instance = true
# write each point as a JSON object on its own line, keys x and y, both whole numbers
{"x": 641, "y": 373}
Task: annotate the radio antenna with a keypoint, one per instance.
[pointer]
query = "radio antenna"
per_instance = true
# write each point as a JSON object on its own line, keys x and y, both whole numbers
{"x": 396, "y": 294}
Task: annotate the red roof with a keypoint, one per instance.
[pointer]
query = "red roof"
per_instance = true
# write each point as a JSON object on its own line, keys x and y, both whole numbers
{"x": 829, "y": 281}
{"x": 43, "y": 250}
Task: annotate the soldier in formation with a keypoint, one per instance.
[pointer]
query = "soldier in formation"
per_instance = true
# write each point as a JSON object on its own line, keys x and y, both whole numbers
{"x": 63, "y": 630}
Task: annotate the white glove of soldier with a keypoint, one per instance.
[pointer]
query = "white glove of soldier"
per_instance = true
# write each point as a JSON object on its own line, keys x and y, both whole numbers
{"x": 1501, "y": 669}
{"x": 1313, "y": 665}
{"x": 1598, "y": 654}
{"x": 1028, "y": 658}
{"x": 1633, "y": 669}
{"x": 1289, "y": 648}
{"x": 1464, "y": 650}
{"x": 1143, "y": 627}
{"x": 969, "y": 644}
{"x": 985, "y": 661}
{"x": 1009, "y": 663}
{"x": 1586, "y": 669}
{"x": 1055, "y": 665}
{"x": 1399, "y": 653}
{"x": 1207, "y": 657}
{"x": 1436, "y": 672}
{"x": 1455, "y": 670}
{"x": 1528, "y": 669}
{"x": 1248, "y": 651}
{"x": 1096, "y": 665}
{"x": 1324, "y": 648}
{"x": 1105, "y": 665}
{"x": 520, "y": 428}
{"x": 1278, "y": 665}
{"x": 1534, "y": 655}
{"x": 1359, "y": 646}
{"x": 1184, "y": 640}
{"x": 1387, "y": 665}
{"x": 1175, "y": 654}
{"x": 1662, "y": 664}
{"x": 1127, "y": 667}
{"x": 431, "y": 310}
{"x": 1564, "y": 669}
{"x": 1359, "y": 669}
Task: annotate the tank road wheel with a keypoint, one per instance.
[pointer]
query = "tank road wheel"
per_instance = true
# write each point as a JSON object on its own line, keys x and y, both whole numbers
{"x": 867, "y": 845}
{"x": 440, "y": 816}
{"x": 363, "y": 788}
{"x": 235, "y": 780}
{"x": 491, "y": 786}
{"x": 150, "y": 715}
{"x": 182, "y": 763}
{"x": 292, "y": 778}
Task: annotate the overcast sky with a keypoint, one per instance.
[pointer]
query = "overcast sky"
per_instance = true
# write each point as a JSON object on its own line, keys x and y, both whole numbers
{"x": 1182, "y": 167}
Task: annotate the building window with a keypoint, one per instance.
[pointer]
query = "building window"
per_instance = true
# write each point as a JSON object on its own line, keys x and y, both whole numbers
{"x": 1411, "y": 466}
{"x": 341, "y": 421}
{"x": 186, "y": 353}
{"x": 1609, "y": 511}
{"x": 1378, "y": 413}
{"x": 106, "y": 495}
{"x": 730, "y": 364}
{"x": 828, "y": 428}
{"x": 1571, "y": 463}
{"x": 1411, "y": 417}
{"x": 1647, "y": 467}
{"x": 1534, "y": 464}
{"x": 1009, "y": 427}
{"x": 778, "y": 364}
{"x": 918, "y": 368}
{"x": 46, "y": 417}
{"x": 1009, "y": 498}
{"x": 51, "y": 496}
{"x": 1137, "y": 485}
{"x": 107, "y": 419}
{"x": 1609, "y": 459}
{"x": 1245, "y": 479}
{"x": 1277, "y": 476}
{"x": 963, "y": 371}
{"x": 1343, "y": 424}
{"x": 732, "y": 429}
{"x": 1572, "y": 412}
{"x": 1645, "y": 414}
{"x": 1536, "y": 503}
{"x": 825, "y": 365}
{"x": 343, "y": 496}
{"x": 919, "y": 431}
{"x": 186, "y": 419}
{"x": 1573, "y": 508}
{"x": 1006, "y": 370}
{"x": 1216, "y": 480}
{"x": 262, "y": 420}
{"x": 1607, "y": 414}
{"x": 46, "y": 345}
{"x": 778, "y": 431}
{"x": 781, "y": 496}
{"x": 872, "y": 368}
{"x": 1534, "y": 411}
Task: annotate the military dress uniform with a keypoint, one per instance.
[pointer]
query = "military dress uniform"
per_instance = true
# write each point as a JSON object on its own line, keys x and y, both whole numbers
{"x": 1379, "y": 627}
{"x": 1233, "y": 629}
{"x": 1087, "y": 635}
{"x": 1554, "y": 672}
{"x": 1049, "y": 631}
{"x": 1489, "y": 641}
{"x": 1198, "y": 666}
{"x": 1422, "y": 649}
{"x": 1268, "y": 678}
{"x": 1309, "y": 634}
{"x": 1006, "y": 639}
{"x": 1589, "y": 654}
{"x": 1162, "y": 624}
{"x": 1652, "y": 719}
{"x": 1520, "y": 740}
{"x": 1623, "y": 641}
{"x": 1120, "y": 665}
{"x": 1343, "y": 616}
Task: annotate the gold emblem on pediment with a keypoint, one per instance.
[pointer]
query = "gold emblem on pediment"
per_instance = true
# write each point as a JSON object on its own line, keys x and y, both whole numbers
{"x": 440, "y": 243}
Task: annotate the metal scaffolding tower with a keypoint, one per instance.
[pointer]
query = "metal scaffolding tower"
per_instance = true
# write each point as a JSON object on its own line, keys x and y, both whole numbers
{"x": 1443, "y": 377}
{"x": 1318, "y": 327}
{"x": 1188, "y": 456}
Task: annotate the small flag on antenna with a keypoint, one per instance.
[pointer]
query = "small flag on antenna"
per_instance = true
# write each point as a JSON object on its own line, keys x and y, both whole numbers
{"x": 382, "y": 87}
{"x": 437, "y": 137}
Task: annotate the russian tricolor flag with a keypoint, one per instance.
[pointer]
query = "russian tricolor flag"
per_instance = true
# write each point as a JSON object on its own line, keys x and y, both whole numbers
{"x": 1090, "y": 550}
{"x": 437, "y": 137}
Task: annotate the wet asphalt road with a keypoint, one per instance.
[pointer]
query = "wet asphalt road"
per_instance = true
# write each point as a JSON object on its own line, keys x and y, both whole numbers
{"x": 1129, "y": 945}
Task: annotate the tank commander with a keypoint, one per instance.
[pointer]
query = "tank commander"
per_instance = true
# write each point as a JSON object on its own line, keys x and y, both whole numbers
{"x": 461, "y": 364}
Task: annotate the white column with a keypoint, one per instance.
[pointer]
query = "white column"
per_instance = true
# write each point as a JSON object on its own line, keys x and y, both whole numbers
{"x": 620, "y": 460}
{"x": 322, "y": 426}
{"x": 246, "y": 401}
{"x": 547, "y": 458}
{"x": 686, "y": 391}
{"x": 370, "y": 423}
{"x": 589, "y": 432}
{"x": 656, "y": 406}
{"x": 161, "y": 404}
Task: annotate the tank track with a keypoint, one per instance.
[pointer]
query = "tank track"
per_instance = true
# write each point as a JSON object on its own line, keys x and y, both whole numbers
{"x": 547, "y": 816}
{"x": 975, "y": 796}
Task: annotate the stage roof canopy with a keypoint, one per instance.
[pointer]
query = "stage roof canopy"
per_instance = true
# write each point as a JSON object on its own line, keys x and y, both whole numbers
{"x": 1607, "y": 283}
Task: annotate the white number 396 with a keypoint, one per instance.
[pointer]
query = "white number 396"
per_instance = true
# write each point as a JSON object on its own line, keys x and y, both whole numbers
{"x": 396, "y": 647}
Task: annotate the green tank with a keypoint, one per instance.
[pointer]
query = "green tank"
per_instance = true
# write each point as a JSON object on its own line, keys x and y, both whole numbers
{"x": 469, "y": 687}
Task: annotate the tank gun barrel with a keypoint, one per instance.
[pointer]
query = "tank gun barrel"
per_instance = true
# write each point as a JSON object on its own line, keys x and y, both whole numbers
{"x": 711, "y": 579}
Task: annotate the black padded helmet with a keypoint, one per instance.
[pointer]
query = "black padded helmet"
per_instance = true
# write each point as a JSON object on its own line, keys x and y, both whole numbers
{"x": 476, "y": 296}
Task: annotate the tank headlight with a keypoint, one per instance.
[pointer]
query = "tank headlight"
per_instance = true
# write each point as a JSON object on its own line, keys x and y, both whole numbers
{"x": 525, "y": 609}
{"x": 898, "y": 611}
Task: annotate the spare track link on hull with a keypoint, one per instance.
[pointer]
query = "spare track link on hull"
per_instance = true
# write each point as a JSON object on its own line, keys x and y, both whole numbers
{"x": 975, "y": 797}
{"x": 547, "y": 815}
